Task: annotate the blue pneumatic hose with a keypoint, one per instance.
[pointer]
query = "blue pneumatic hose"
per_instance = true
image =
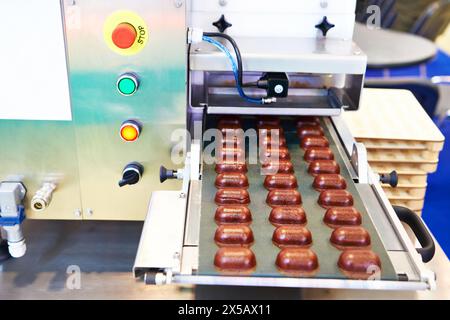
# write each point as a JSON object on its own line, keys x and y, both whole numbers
{"x": 225, "y": 50}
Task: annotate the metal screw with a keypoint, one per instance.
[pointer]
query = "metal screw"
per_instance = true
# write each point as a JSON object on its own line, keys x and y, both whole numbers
{"x": 182, "y": 195}
{"x": 178, "y": 3}
{"x": 77, "y": 213}
{"x": 324, "y": 4}
{"x": 223, "y": 3}
{"x": 90, "y": 212}
{"x": 279, "y": 88}
{"x": 176, "y": 255}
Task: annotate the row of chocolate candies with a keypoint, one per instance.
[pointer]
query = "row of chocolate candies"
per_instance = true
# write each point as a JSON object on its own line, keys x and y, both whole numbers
{"x": 333, "y": 195}
{"x": 233, "y": 234}
{"x": 287, "y": 214}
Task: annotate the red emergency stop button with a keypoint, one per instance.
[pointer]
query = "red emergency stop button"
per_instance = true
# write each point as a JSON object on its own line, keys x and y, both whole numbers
{"x": 124, "y": 35}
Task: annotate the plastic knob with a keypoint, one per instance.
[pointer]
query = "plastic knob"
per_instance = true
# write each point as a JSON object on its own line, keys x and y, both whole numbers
{"x": 132, "y": 174}
{"x": 222, "y": 24}
{"x": 390, "y": 178}
{"x": 165, "y": 174}
{"x": 325, "y": 26}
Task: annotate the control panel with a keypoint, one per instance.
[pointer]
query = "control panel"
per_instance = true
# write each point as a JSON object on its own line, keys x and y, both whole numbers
{"x": 125, "y": 67}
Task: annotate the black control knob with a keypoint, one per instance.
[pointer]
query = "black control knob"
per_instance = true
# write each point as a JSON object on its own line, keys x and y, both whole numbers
{"x": 390, "y": 178}
{"x": 222, "y": 24}
{"x": 325, "y": 26}
{"x": 132, "y": 174}
{"x": 165, "y": 174}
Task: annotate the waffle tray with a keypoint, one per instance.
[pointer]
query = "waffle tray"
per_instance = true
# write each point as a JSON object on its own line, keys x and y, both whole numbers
{"x": 263, "y": 248}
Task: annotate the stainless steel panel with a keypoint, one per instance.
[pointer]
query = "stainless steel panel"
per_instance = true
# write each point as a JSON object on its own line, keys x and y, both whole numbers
{"x": 99, "y": 109}
{"x": 86, "y": 156}
{"x": 161, "y": 243}
{"x": 192, "y": 230}
{"x": 301, "y": 283}
{"x": 35, "y": 152}
{"x": 306, "y": 55}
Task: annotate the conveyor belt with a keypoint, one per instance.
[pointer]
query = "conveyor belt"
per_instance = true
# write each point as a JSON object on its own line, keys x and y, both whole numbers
{"x": 265, "y": 251}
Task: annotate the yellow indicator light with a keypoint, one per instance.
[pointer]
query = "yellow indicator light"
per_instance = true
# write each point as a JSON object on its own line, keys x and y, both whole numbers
{"x": 129, "y": 131}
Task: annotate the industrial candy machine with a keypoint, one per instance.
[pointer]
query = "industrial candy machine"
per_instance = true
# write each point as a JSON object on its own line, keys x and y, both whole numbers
{"x": 236, "y": 106}
{"x": 276, "y": 192}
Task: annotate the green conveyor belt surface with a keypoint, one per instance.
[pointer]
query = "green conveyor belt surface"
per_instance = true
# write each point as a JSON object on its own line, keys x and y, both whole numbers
{"x": 265, "y": 251}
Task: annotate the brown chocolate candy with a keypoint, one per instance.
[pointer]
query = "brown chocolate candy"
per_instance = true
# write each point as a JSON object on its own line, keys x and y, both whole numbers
{"x": 230, "y": 155}
{"x": 230, "y": 131}
{"x": 280, "y": 181}
{"x": 359, "y": 264}
{"x": 323, "y": 167}
{"x": 232, "y": 196}
{"x": 270, "y": 130}
{"x": 312, "y": 154}
{"x": 291, "y": 235}
{"x": 297, "y": 261}
{"x": 227, "y": 121}
{"x": 275, "y": 154}
{"x": 286, "y": 197}
{"x": 235, "y": 259}
{"x": 231, "y": 166}
{"x": 335, "y": 198}
{"x": 234, "y": 235}
{"x": 345, "y": 237}
{"x": 329, "y": 181}
{"x": 309, "y": 130}
{"x": 231, "y": 180}
{"x": 314, "y": 142}
{"x": 342, "y": 216}
{"x": 233, "y": 215}
{"x": 274, "y": 167}
{"x": 272, "y": 142}
{"x": 268, "y": 121}
{"x": 287, "y": 216}
{"x": 233, "y": 142}
{"x": 305, "y": 120}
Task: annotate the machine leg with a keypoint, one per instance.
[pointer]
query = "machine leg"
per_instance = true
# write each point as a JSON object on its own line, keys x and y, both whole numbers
{"x": 4, "y": 252}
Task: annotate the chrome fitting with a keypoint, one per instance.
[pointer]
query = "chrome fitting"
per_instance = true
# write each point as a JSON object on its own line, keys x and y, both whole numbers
{"x": 41, "y": 200}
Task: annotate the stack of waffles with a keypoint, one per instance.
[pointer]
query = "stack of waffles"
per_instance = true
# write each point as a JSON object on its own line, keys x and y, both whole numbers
{"x": 400, "y": 136}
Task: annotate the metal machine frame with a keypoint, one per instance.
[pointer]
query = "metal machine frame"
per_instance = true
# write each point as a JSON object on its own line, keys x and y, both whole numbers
{"x": 76, "y": 164}
{"x": 175, "y": 259}
{"x": 326, "y": 75}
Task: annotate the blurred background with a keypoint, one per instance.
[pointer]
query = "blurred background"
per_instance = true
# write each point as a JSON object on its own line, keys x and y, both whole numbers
{"x": 408, "y": 47}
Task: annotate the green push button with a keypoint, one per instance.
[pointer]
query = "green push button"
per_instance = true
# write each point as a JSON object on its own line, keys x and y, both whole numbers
{"x": 127, "y": 84}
